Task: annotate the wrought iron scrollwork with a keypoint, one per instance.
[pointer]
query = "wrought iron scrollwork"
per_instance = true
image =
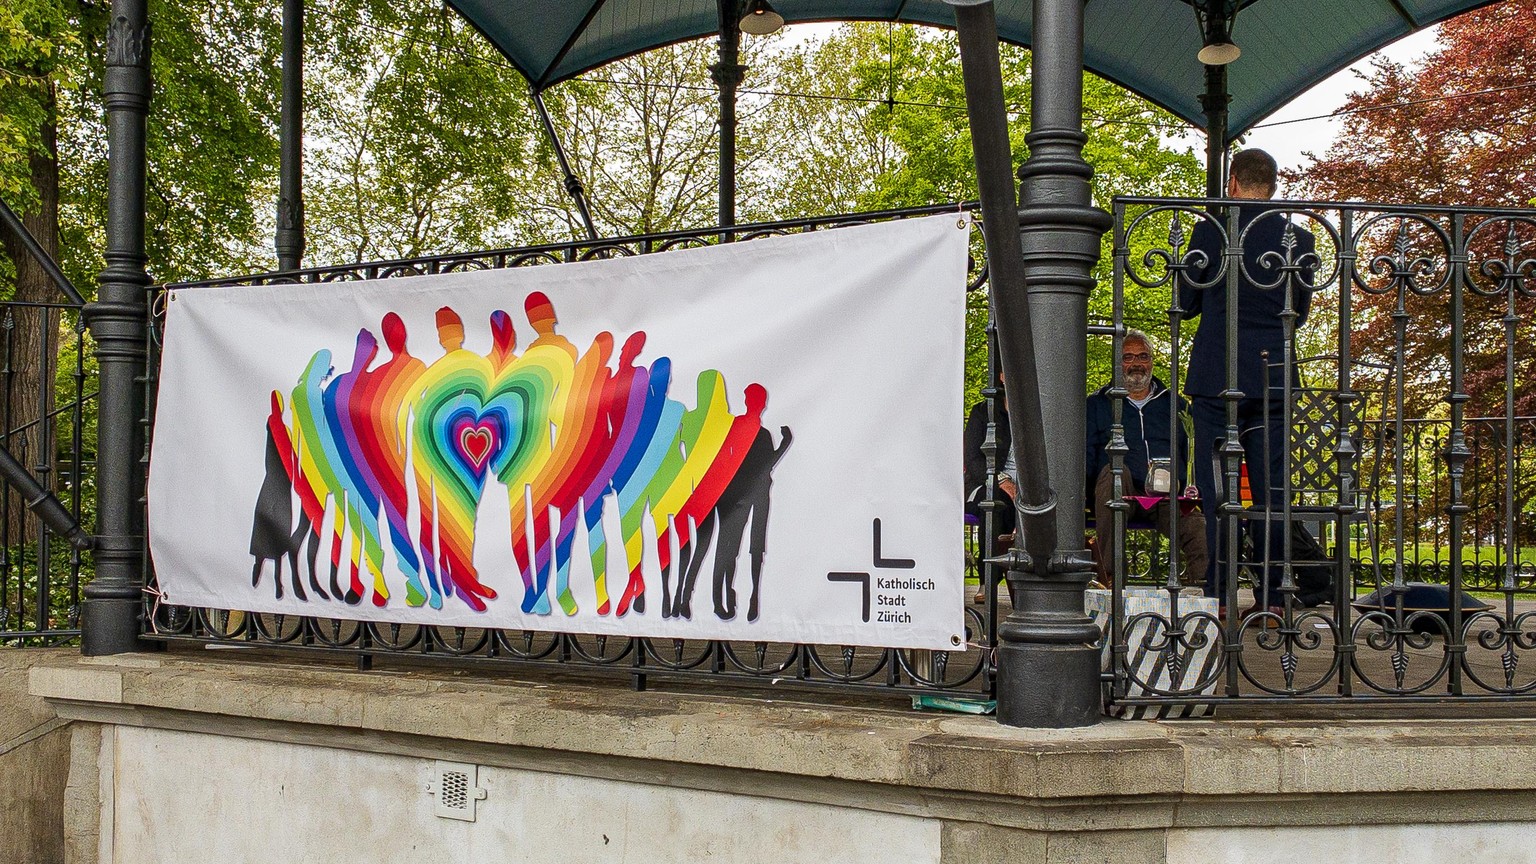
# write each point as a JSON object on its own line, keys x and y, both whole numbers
{"x": 1446, "y": 498}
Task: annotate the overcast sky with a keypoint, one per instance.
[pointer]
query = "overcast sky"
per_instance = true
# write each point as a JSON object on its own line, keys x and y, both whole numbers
{"x": 1288, "y": 142}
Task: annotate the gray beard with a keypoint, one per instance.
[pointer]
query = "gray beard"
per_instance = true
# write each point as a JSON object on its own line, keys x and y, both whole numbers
{"x": 1138, "y": 383}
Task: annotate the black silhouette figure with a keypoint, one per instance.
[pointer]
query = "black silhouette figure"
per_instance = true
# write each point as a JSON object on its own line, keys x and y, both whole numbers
{"x": 746, "y": 495}
{"x": 270, "y": 537}
{"x": 691, "y": 556}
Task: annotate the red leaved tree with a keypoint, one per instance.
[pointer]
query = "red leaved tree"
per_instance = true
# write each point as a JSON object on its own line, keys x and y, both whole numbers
{"x": 1459, "y": 128}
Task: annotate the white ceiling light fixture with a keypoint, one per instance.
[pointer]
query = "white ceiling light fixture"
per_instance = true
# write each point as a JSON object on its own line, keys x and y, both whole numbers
{"x": 760, "y": 19}
{"x": 1219, "y": 53}
{"x": 1216, "y": 20}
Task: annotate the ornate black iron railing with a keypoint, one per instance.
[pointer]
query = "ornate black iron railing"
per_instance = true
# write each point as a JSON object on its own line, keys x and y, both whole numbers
{"x": 47, "y": 409}
{"x": 577, "y": 250}
{"x": 965, "y": 672}
{"x": 1419, "y": 318}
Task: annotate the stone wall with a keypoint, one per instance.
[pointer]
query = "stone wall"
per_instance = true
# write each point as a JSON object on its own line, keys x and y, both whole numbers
{"x": 34, "y": 760}
{"x": 219, "y": 759}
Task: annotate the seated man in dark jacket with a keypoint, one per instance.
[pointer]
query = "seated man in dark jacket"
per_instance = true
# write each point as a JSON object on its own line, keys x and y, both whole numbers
{"x": 1147, "y": 417}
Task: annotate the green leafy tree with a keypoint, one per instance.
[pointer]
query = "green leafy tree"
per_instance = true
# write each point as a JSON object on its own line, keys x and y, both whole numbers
{"x": 209, "y": 150}
{"x": 1457, "y": 128}
{"x": 418, "y": 136}
{"x": 211, "y": 142}
{"x": 39, "y": 54}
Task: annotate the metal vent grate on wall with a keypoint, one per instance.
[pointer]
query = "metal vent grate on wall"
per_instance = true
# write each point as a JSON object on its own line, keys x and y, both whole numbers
{"x": 456, "y": 789}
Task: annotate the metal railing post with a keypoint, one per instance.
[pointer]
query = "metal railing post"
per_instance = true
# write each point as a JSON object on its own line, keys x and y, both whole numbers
{"x": 290, "y": 196}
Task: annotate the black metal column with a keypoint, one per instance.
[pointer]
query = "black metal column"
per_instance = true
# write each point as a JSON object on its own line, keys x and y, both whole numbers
{"x": 1214, "y": 102}
{"x": 110, "y": 616}
{"x": 290, "y": 196}
{"x": 728, "y": 74}
{"x": 1046, "y": 658}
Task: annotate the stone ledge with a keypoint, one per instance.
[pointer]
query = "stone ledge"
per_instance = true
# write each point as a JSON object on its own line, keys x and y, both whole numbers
{"x": 1139, "y": 770}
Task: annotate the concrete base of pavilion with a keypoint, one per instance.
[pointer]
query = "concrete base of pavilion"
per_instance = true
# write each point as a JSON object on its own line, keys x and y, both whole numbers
{"x": 229, "y": 756}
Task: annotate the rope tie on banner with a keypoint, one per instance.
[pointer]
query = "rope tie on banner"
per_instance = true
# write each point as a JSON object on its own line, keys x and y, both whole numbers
{"x": 988, "y": 652}
{"x": 154, "y": 608}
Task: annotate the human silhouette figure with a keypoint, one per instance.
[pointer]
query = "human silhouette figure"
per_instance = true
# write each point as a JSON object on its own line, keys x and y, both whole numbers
{"x": 379, "y": 411}
{"x": 273, "y": 520}
{"x": 701, "y": 435}
{"x": 579, "y": 450}
{"x": 456, "y": 386}
{"x": 319, "y": 483}
{"x": 542, "y": 377}
{"x": 722, "y": 467}
{"x": 632, "y": 481}
{"x": 747, "y": 494}
{"x": 619, "y": 422}
{"x": 361, "y": 503}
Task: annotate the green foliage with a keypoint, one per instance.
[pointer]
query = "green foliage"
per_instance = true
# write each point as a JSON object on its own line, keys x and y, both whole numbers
{"x": 421, "y": 140}
{"x": 905, "y": 141}
{"x": 37, "y": 41}
{"x": 211, "y": 144}
{"x": 418, "y": 135}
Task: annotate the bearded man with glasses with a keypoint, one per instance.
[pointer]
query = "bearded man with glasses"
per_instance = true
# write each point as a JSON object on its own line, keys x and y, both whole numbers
{"x": 1147, "y": 416}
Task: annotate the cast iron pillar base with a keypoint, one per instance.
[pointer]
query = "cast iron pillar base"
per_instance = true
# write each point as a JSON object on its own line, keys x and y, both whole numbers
{"x": 110, "y": 626}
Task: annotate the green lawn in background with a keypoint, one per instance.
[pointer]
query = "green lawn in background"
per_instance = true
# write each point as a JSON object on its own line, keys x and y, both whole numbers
{"x": 1427, "y": 553}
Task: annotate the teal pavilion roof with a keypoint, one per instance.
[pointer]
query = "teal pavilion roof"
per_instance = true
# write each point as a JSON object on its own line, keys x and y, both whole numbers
{"x": 1147, "y": 46}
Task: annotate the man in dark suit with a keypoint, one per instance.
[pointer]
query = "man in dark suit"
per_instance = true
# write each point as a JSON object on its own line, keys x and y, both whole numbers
{"x": 1271, "y": 287}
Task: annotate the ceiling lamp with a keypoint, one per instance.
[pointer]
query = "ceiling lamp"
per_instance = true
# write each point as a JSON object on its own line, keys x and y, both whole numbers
{"x": 1216, "y": 20}
{"x": 1218, "y": 52}
{"x": 760, "y": 19}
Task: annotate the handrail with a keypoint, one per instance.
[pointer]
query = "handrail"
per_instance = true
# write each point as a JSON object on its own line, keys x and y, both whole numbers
{"x": 9, "y": 218}
{"x": 1300, "y": 204}
{"x": 43, "y": 503}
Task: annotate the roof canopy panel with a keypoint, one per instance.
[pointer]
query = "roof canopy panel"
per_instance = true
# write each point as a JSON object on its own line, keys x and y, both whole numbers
{"x": 1147, "y": 46}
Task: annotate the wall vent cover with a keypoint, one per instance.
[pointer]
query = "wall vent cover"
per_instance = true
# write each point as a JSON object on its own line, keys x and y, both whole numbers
{"x": 456, "y": 788}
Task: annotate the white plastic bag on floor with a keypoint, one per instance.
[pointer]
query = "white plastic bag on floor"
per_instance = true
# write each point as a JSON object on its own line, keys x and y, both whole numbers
{"x": 1151, "y": 672}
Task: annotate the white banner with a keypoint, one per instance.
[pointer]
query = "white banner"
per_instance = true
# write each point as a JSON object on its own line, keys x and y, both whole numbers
{"x": 751, "y": 441}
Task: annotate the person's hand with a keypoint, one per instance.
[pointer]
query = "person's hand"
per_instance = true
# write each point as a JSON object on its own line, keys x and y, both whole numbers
{"x": 1191, "y": 492}
{"x": 1006, "y": 483}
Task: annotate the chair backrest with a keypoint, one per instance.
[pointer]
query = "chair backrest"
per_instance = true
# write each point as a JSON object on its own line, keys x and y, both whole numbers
{"x": 1316, "y": 427}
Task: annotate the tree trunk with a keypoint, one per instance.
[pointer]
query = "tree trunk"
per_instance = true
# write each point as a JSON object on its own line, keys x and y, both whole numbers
{"x": 29, "y": 341}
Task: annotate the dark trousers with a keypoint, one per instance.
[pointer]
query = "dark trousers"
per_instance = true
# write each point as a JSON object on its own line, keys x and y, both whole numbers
{"x": 1265, "y": 478}
{"x": 1192, "y": 539}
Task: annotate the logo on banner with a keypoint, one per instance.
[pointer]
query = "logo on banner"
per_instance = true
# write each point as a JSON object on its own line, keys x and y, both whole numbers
{"x": 560, "y": 432}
